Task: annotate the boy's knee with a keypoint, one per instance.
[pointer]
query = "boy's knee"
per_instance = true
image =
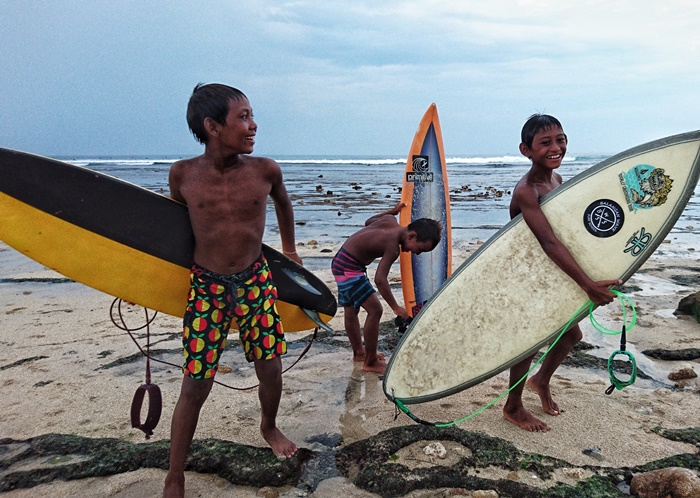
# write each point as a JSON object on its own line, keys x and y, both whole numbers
{"x": 268, "y": 369}
{"x": 375, "y": 312}
{"x": 195, "y": 392}
{"x": 575, "y": 335}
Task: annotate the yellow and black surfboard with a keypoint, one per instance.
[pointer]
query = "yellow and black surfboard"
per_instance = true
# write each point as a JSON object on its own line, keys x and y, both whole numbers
{"x": 125, "y": 240}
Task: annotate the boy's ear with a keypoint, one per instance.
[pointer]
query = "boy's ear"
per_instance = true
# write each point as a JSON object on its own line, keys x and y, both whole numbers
{"x": 525, "y": 150}
{"x": 211, "y": 126}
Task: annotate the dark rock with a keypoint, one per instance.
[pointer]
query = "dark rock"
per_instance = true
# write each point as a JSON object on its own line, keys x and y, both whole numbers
{"x": 688, "y": 354}
{"x": 683, "y": 374}
{"x": 690, "y": 305}
{"x": 66, "y": 457}
{"x": 672, "y": 482}
{"x": 371, "y": 464}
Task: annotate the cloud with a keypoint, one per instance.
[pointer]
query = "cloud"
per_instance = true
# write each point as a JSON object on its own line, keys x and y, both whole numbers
{"x": 346, "y": 76}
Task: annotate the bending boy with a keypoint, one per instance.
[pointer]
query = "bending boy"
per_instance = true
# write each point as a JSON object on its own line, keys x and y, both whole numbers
{"x": 382, "y": 237}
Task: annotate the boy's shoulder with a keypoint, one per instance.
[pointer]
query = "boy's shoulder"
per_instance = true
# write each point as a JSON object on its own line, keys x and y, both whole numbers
{"x": 189, "y": 161}
{"x": 181, "y": 167}
{"x": 203, "y": 161}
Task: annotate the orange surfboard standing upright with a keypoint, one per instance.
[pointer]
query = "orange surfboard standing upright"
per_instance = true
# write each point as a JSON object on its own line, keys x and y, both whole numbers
{"x": 426, "y": 195}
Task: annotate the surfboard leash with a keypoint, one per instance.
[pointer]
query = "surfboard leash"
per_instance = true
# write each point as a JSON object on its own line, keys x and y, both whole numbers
{"x": 399, "y": 406}
{"x": 121, "y": 324}
{"x": 616, "y": 382}
{"x": 155, "y": 399}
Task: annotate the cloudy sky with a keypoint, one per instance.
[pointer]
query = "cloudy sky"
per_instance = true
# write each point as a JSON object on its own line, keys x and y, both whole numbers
{"x": 112, "y": 77}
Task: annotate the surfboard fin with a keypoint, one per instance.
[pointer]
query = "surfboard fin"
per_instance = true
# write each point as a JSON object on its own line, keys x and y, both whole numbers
{"x": 314, "y": 317}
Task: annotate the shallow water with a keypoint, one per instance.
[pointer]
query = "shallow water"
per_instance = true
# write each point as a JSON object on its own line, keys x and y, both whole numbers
{"x": 333, "y": 196}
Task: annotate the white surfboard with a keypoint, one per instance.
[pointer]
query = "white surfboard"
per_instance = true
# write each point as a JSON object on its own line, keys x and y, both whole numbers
{"x": 509, "y": 299}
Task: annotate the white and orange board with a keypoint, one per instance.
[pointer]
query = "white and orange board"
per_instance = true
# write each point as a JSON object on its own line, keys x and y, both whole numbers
{"x": 426, "y": 195}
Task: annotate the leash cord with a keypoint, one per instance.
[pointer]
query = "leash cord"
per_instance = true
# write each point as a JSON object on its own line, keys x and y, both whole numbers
{"x": 121, "y": 324}
{"x": 616, "y": 382}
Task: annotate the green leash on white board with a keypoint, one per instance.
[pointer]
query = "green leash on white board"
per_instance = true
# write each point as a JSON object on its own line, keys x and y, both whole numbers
{"x": 615, "y": 382}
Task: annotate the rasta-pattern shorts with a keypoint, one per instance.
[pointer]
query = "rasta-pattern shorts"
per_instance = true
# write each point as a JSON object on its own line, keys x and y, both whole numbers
{"x": 249, "y": 298}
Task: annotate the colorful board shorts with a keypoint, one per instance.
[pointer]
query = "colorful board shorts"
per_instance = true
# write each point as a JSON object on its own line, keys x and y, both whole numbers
{"x": 249, "y": 298}
{"x": 351, "y": 276}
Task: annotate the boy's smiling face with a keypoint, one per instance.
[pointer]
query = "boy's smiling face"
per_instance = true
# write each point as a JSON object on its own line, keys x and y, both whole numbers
{"x": 548, "y": 147}
{"x": 239, "y": 131}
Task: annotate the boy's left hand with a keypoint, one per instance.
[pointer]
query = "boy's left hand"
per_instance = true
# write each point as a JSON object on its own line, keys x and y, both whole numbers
{"x": 600, "y": 292}
{"x": 401, "y": 312}
{"x": 295, "y": 257}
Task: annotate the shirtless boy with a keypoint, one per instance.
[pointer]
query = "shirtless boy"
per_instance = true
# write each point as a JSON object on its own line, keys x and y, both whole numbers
{"x": 382, "y": 237}
{"x": 226, "y": 191}
{"x": 544, "y": 143}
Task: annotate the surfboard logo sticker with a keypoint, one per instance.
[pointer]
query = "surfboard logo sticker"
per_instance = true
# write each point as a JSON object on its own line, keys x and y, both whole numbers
{"x": 603, "y": 218}
{"x": 645, "y": 186}
{"x": 638, "y": 242}
{"x": 421, "y": 170}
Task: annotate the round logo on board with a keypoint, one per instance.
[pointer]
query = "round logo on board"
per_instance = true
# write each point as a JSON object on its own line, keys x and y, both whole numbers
{"x": 603, "y": 218}
{"x": 420, "y": 163}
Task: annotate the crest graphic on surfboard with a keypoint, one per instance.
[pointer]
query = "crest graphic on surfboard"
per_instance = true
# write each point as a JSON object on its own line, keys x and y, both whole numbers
{"x": 509, "y": 299}
{"x": 426, "y": 195}
{"x": 125, "y": 240}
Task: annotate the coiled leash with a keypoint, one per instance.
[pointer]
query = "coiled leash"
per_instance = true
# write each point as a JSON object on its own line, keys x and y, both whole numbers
{"x": 155, "y": 400}
{"x": 615, "y": 382}
{"x": 399, "y": 406}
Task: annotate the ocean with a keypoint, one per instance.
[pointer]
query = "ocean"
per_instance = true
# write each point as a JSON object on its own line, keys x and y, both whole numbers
{"x": 334, "y": 195}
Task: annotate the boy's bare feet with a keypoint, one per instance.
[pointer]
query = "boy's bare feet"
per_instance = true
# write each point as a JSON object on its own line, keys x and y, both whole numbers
{"x": 545, "y": 394}
{"x": 280, "y": 444}
{"x": 525, "y": 420}
{"x": 174, "y": 487}
{"x": 378, "y": 367}
{"x": 361, "y": 357}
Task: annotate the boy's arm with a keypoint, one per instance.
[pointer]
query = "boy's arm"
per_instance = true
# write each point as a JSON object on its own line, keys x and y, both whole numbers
{"x": 529, "y": 204}
{"x": 174, "y": 183}
{"x": 285, "y": 214}
{"x": 381, "y": 279}
{"x": 389, "y": 212}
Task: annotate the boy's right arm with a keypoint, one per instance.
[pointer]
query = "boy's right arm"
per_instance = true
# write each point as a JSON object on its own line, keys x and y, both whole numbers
{"x": 597, "y": 291}
{"x": 389, "y": 212}
{"x": 381, "y": 279}
{"x": 174, "y": 180}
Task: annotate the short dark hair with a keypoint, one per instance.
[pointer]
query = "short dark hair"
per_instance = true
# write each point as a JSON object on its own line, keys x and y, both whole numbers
{"x": 209, "y": 101}
{"x": 536, "y": 123}
{"x": 427, "y": 230}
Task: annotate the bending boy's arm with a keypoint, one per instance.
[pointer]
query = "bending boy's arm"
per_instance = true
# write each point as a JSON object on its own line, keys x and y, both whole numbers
{"x": 285, "y": 215}
{"x": 389, "y": 212}
{"x": 599, "y": 291}
{"x": 381, "y": 279}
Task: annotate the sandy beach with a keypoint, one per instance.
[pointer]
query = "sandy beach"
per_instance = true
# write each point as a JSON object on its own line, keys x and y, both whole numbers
{"x": 66, "y": 369}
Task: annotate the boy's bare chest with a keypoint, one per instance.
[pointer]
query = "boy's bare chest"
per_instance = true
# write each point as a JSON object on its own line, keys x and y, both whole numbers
{"x": 242, "y": 187}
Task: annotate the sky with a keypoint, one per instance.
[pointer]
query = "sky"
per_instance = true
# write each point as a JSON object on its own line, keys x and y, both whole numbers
{"x": 347, "y": 77}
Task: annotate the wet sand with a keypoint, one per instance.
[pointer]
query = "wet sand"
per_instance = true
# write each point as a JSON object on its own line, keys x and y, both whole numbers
{"x": 61, "y": 374}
